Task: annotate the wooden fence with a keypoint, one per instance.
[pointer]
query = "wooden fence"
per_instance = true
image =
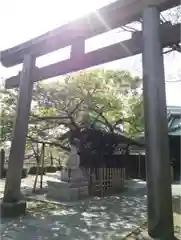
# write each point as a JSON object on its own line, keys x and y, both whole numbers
{"x": 105, "y": 181}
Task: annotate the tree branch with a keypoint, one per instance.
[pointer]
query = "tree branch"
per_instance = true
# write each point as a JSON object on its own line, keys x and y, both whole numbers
{"x": 77, "y": 106}
{"x": 67, "y": 117}
{"x": 49, "y": 143}
{"x": 100, "y": 113}
{"x": 45, "y": 118}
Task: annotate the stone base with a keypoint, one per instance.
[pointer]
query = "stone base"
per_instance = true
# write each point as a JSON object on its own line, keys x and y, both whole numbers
{"x": 67, "y": 191}
{"x": 12, "y": 210}
{"x": 145, "y": 236}
{"x": 72, "y": 175}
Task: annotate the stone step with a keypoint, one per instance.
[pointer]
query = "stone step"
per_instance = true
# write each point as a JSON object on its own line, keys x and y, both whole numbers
{"x": 69, "y": 195}
{"x": 58, "y": 183}
{"x": 67, "y": 191}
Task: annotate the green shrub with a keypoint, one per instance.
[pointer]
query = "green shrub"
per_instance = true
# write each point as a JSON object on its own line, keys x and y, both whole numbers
{"x": 33, "y": 171}
{"x": 24, "y": 173}
{"x": 59, "y": 168}
{"x": 51, "y": 169}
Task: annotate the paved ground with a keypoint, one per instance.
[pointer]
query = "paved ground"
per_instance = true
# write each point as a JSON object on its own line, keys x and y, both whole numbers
{"x": 97, "y": 218}
{"x": 25, "y": 183}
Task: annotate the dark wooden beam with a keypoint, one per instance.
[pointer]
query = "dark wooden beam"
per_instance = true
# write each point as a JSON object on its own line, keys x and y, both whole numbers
{"x": 12, "y": 192}
{"x": 170, "y": 35}
{"x": 158, "y": 174}
{"x": 109, "y": 17}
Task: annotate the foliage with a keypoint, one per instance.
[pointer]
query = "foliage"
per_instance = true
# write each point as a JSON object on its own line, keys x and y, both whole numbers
{"x": 101, "y": 99}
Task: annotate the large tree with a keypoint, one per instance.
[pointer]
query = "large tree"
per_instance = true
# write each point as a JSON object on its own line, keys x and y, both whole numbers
{"x": 103, "y": 99}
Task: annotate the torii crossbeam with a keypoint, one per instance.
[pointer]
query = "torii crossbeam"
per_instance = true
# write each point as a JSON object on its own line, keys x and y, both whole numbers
{"x": 114, "y": 15}
{"x": 150, "y": 42}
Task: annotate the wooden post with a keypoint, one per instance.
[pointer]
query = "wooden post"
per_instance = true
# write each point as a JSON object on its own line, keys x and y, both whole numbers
{"x": 51, "y": 159}
{"x": 36, "y": 176}
{"x": 160, "y": 214}
{"x": 2, "y": 160}
{"x": 42, "y": 164}
{"x": 38, "y": 158}
{"x": 139, "y": 165}
{"x": 16, "y": 158}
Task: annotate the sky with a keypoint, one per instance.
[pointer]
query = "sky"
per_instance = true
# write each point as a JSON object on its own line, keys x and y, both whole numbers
{"x": 22, "y": 20}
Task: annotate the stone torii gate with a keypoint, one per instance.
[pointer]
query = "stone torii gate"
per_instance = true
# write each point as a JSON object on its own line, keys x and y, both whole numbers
{"x": 149, "y": 42}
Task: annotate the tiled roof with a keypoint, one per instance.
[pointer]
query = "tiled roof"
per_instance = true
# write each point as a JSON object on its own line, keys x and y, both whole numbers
{"x": 174, "y": 121}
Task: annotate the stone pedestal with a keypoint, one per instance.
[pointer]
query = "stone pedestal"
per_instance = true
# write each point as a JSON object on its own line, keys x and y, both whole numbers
{"x": 72, "y": 184}
{"x": 67, "y": 191}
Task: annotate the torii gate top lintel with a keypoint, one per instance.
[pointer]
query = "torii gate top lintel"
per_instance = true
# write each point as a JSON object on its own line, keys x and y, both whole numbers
{"x": 114, "y": 15}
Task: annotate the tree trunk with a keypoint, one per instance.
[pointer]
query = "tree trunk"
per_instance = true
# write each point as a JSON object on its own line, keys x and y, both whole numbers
{"x": 2, "y": 160}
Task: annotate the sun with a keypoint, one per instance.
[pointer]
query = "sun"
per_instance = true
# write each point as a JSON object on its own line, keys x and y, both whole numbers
{"x": 29, "y": 19}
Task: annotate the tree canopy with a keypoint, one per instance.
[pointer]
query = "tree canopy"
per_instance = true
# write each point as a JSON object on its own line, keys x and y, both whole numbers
{"x": 108, "y": 100}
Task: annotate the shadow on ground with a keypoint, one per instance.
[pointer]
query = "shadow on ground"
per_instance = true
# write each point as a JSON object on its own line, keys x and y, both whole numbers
{"x": 99, "y": 218}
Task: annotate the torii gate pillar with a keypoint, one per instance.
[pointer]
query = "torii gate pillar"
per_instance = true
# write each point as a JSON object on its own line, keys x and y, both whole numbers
{"x": 13, "y": 204}
{"x": 160, "y": 216}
